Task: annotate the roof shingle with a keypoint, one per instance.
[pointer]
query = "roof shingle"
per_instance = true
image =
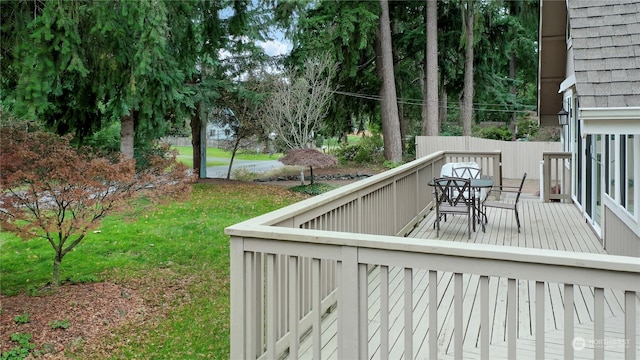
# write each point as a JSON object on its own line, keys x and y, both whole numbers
{"x": 606, "y": 50}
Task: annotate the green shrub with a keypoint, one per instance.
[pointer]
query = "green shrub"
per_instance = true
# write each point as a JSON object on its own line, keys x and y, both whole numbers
{"x": 60, "y": 324}
{"x": 527, "y": 129}
{"x": 22, "y": 350}
{"x": 313, "y": 189}
{"x": 243, "y": 174}
{"x": 496, "y": 133}
{"x": 410, "y": 147}
{"x": 368, "y": 150}
{"x": 449, "y": 129}
{"x": 22, "y": 319}
{"x": 547, "y": 133}
{"x": 106, "y": 139}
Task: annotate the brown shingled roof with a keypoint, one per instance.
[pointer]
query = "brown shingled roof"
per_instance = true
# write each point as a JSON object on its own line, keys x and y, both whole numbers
{"x": 606, "y": 48}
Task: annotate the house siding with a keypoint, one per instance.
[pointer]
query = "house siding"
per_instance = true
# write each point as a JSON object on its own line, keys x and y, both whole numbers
{"x": 620, "y": 239}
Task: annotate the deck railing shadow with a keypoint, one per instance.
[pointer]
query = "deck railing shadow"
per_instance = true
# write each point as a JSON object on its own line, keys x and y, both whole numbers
{"x": 292, "y": 267}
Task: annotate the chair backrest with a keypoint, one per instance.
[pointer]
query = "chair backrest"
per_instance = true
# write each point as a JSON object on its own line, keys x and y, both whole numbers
{"x": 454, "y": 191}
{"x": 447, "y": 168}
{"x": 520, "y": 189}
{"x": 467, "y": 172}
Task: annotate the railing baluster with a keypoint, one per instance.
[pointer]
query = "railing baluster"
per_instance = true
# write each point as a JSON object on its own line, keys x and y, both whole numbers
{"x": 630, "y": 325}
{"x": 240, "y": 320}
{"x": 304, "y": 283}
{"x": 282, "y": 298}
{"x": 484, "y": 317}
{"x": 294, "y": 308}
{"x": 408, "y": 313}
{"x": 348, "y": 323}
{"x": 249, "y": 305}
{"x": 363, "y": 305}
{"x": 271, "y": 306}
{"x": 384, "y": 312}
{"x": 317, "y": 313}
{"x": 258, "y": 295}
{"x": 540, "y": 341}
{"x": 433, "y": 314}
{"x": 598, "y": 321}
{"x": 568, "y": 321}
{"x": 458, "y": 316}
{"x": 512, "y": 317}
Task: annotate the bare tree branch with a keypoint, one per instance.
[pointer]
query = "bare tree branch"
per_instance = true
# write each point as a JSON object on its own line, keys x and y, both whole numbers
{"x": 299, "y": 102}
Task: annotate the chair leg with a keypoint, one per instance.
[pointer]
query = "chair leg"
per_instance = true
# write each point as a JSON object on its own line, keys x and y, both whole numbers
{"x": 473, "y": 216}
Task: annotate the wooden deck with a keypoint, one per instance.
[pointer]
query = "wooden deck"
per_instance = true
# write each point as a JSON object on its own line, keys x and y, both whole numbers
{"x": 554, "y": 226}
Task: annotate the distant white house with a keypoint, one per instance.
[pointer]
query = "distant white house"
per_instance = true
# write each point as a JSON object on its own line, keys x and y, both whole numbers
{"x": 218, "y": 133}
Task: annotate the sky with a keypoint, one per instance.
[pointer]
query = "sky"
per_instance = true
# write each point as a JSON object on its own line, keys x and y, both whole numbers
{"x": 276, "y": 47}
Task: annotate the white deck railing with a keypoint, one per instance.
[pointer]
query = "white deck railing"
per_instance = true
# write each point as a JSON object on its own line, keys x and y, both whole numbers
{"x": 556, "y": 176}
{"x": 289, "y": 267}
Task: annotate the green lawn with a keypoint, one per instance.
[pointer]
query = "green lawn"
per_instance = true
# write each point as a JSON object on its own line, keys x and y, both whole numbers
{"x": 186, "y": 156}
{"x": 176, "y": 245}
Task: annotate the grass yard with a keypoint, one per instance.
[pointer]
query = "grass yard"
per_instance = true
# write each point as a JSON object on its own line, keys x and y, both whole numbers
{"x": 177, "y": 249}
{"x": 185, "y": 155}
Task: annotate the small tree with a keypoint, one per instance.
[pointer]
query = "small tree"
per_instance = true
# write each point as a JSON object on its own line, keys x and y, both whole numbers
{"x": 310, "y": 158}
{"x": 53, "y": 191}
{"x": 242, "y": 113}
{"x": 299, "y": 101}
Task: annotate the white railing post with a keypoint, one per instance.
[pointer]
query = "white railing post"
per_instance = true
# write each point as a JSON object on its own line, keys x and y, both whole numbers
{"x": 237, "y": 297}
{"x": 408, "y": 313}
{"x": 568, "y": 321}
{"x": 348, "y": 322}
{"x": 542, "y": 180}
{"x": 630, "y": 330}
{"x": 294, "y": 307}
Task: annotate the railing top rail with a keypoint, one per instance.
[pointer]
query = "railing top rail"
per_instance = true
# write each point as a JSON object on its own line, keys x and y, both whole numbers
{"x": 593, "y": 261}
{"x": 371, "y": 182}
{"x": 298, "y": 208}
{"x": 471, "y": 152}
{"x": 556, "y": 153}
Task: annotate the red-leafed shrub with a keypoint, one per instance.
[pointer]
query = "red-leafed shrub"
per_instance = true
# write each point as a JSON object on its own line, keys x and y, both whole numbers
{"x": 53, "y": 191}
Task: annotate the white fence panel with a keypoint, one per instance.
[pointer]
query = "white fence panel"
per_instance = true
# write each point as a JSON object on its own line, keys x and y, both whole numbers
{"x": 518, "y": 157}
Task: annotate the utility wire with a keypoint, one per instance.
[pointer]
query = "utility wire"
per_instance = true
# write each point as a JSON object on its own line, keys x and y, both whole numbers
{"x": 477, "y": 106}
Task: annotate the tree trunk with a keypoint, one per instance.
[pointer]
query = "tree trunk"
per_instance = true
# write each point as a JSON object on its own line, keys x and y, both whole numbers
{"x": 404, "y": 126}
{"x": 126, "y": 136}
{"x": 512, "y": 91}
{"x": 203, "y": 149}
{"x": 444, "y": 102}
{"x": 404, "y": 123}
{"x": 513, "y": 11}
{"x": 236, "y": 144}
{"x": 55, "y": 281}
{"x": 467, "y": 99}
{"x": 423, "y": 88}
{"x": 388, "y": 98}
{"x": 431, "y": 73}
{"x": 311, "y": 173}
{"x": 196, "y": 144}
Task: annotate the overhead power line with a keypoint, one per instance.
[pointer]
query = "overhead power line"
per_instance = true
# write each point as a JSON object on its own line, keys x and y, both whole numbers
{"x": 417, "y": 102}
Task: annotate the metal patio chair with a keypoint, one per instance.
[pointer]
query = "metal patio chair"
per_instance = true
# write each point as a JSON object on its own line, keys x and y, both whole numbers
{"x": 504, "y": 202}
{"x": 454, "y": 196}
